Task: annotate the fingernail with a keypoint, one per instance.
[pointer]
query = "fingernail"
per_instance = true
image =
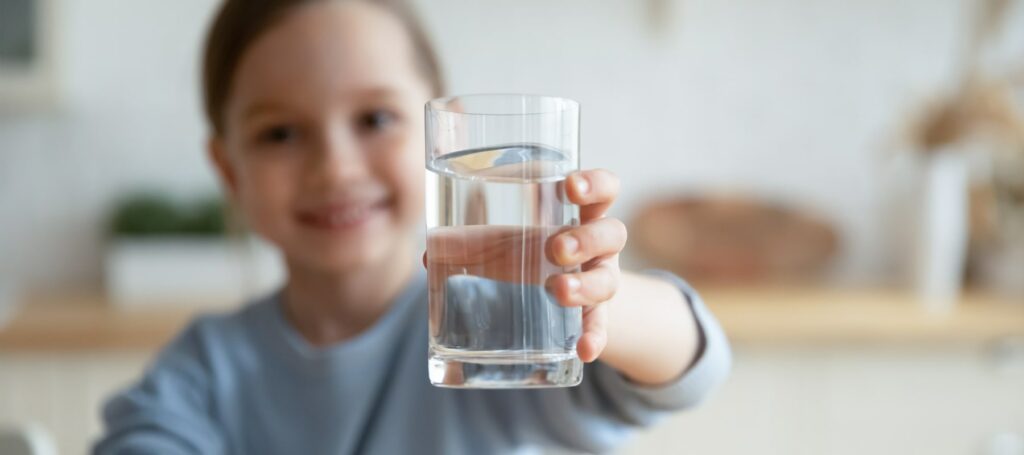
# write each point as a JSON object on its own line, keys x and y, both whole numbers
{"x": 570, "y": 245}
{"x": 573, "y": 283}
{"x": 582, "y": 185}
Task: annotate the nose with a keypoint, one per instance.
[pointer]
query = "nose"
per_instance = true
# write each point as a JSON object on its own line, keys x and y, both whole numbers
{"x": 338, "y": 159}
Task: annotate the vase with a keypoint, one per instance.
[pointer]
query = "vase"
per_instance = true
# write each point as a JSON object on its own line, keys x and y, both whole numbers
{"x": 942, "y": 229}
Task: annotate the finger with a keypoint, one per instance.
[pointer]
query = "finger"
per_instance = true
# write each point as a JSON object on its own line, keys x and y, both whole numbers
{"x": 595, "y": 335}
{"x": 598, "y": 238}
{"x": 585, "y": 288}
{"x": 593, "y": 190}
{"x": 424, "y": 259}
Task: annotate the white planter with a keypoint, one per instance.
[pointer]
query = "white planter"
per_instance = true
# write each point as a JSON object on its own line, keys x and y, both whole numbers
{"x": 189, "y": 271}
{"x": 941, "y": 238}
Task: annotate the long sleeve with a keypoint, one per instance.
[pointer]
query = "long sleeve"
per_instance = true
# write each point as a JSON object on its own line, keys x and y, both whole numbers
{"x": 603, "y": 410}
{"x": 167, "y": 412}
{"x": 247, "y": 383}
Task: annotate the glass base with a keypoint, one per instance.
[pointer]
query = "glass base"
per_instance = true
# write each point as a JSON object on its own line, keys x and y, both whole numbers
{"x": 503, "y": 369}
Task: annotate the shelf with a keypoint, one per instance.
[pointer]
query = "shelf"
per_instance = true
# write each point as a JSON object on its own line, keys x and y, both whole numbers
{"x": 750, "y": 317}
{"x": 88, "y": 323}
{"x": 858, "y": 317}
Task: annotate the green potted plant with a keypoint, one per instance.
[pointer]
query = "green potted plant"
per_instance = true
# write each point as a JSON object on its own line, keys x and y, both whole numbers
{"x": 163, "y": 250}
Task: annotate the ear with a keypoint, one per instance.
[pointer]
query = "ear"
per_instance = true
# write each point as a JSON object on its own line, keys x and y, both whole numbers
{"x": 218, "y": 155}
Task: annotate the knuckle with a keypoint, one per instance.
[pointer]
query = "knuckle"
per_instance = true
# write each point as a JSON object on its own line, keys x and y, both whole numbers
{"x": 605, "y": 283}
{"x": 610, "y": 232}
{"x": 621, "y": 233}
{"x": 609, "y": 179}
{"x": 613, "y": 282}
{"x": 587, "y": 236}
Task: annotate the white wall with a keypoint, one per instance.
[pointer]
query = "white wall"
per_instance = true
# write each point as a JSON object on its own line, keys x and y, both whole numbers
{"x": 788, "y": 98}
{"x": 130, "y": 117}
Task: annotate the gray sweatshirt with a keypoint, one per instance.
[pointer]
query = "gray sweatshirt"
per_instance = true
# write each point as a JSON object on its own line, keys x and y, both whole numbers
{"x": 248, "y": 383}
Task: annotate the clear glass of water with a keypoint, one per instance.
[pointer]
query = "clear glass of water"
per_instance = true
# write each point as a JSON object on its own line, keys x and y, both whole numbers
{"x": 496, "y": 169}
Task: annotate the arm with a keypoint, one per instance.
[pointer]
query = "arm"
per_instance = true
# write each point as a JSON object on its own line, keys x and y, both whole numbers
{"x": 650, "y": 330}
{"x": 652, "y": 334}
{"x": 641, "y": 326}
{"x": 659, "y": 348}
{"x": 601, "y": 412}
{"x": 166, "y": 412}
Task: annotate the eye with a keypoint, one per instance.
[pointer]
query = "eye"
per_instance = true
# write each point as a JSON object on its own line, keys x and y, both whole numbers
{"x": 375, "y": 120}
{"x": 278, "y": 134}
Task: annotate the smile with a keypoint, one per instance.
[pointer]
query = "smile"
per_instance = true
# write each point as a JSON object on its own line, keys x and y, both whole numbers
{"x": 343, "y": 216}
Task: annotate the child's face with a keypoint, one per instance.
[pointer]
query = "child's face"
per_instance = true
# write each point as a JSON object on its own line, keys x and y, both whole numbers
{"x": 323, "y": 140}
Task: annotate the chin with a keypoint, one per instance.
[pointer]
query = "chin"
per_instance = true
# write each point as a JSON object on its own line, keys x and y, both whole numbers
{"x": 346, "y": 257}
{"x": 341, "y": 260}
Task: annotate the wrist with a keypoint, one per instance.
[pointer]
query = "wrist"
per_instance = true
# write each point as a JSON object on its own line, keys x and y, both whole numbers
{"x": 653, "y": 335}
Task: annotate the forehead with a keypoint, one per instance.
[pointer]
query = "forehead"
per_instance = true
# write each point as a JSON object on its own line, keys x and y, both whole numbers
{"x": 326, "y": 50}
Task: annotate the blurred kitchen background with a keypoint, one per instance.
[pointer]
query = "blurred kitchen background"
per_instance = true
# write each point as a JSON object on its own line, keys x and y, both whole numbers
{"x": 844, "y": 181}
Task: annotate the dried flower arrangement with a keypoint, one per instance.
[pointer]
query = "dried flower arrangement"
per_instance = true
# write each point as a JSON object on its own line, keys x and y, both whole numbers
{"x": 981, "y": 113}
{"x": 981, "y": 106}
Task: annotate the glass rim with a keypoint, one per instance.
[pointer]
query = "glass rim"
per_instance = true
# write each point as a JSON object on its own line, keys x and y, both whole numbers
{"x": 438, "y": 104}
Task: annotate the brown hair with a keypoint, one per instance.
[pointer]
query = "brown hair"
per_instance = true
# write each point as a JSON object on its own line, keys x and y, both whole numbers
{"x": 240, "y": 22}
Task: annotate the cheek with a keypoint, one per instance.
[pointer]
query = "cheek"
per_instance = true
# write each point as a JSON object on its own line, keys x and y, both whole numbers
{"x": 265, "y": 192}
{"x": 407, "y": 179}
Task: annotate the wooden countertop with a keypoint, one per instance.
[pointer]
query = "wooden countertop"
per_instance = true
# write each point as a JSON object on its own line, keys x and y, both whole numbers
{"x": 750, "y": 317}
{"x": 89, "y": 322}
{"x": 859, "y": 317}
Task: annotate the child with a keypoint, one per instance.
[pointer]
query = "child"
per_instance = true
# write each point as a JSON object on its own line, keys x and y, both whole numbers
{"x": 316, "y": 109}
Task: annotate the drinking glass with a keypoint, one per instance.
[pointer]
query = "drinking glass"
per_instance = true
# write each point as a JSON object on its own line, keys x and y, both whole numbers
{"x": 496, "y": 169}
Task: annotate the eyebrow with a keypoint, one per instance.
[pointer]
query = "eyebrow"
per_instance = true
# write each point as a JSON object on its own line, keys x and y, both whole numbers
{"x": 375, "y": 93}
{"x": 364, "y": 94}
{"x": 255, "y": 110}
